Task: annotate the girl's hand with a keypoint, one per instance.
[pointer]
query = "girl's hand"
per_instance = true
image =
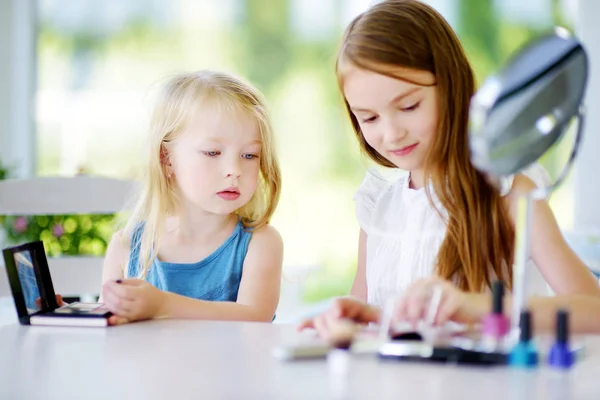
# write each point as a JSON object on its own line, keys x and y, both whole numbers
{"x": 133, "y": 300}
{"x": 454, "y": 304}
{"x": 345, "y": 308}
{"x": 59, "y": 301}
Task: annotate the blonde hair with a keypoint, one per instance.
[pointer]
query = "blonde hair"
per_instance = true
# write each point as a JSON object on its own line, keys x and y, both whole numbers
{"x": 179, "y": 98}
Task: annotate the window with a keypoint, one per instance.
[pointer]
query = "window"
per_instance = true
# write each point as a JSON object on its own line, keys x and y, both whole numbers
{"x": 98, "y": 61}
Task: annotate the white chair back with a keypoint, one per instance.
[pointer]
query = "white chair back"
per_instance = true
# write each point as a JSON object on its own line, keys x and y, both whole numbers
{"x": 82, "y": 194}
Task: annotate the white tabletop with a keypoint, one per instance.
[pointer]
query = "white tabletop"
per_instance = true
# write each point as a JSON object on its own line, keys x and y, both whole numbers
{"x": 219, "y": 360}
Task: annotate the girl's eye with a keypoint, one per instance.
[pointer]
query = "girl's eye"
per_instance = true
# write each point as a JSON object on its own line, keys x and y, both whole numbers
{"x": 411, "y": 108}
{"x": 212, "y": 153}
{"x": 249, "y": 156}
{"x": 369, "y": 120}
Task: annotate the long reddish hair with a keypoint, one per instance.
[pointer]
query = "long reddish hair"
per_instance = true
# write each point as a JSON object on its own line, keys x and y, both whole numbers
{"x": 479, "y": 242}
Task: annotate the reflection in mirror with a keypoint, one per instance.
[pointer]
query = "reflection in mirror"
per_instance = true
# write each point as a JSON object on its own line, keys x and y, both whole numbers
{"x": 29, "y": 283}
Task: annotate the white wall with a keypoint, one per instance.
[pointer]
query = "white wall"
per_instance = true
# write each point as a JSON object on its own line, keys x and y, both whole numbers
{"x": 17, "y": 84}
{"x": 587, "y": 183}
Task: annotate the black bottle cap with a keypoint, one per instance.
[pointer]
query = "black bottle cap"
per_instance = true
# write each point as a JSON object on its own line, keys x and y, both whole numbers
{"x": 562, "y": 326}
{"x": 497, "y": 297}
{"x": 525, "y": 325}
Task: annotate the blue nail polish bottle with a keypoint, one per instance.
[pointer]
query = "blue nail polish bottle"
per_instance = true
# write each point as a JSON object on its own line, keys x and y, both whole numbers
{"x": 524, "y": 354}
{"x": 560, "y": 354}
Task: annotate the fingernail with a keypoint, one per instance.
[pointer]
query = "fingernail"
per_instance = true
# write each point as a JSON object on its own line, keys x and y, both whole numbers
{"x": 119, "y": 281}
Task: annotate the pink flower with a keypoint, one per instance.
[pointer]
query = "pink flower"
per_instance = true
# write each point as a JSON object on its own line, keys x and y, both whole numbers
{"x": 20, "y": 225}
{"x": 58, "y": 230}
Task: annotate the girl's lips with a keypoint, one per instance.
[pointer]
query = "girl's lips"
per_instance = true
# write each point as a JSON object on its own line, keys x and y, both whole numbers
{"x": 405, "y": 150}
{"x": 227, "y": 195}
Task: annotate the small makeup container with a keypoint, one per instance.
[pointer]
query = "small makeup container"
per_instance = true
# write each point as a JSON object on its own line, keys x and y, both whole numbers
{"x": 524, "y": 353}
{"x": 496, "y": 325}
{"x": 560, "y": 355}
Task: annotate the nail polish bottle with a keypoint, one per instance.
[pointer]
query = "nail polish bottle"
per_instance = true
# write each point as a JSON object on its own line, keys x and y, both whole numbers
{"x": 524, "y": 354}
{"x": 496, "y": 325}
{"x": 560, "y": 355}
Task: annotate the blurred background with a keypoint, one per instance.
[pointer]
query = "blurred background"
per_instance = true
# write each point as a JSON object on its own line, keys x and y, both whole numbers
{"x": 96, "y": 63}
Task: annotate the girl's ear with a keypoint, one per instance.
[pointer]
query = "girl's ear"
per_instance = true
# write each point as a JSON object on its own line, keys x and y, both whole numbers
{"x": 165, "y": 161}
{"x": 165, "y": 158}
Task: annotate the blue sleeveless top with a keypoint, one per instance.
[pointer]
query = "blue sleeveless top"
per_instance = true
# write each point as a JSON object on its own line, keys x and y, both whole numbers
{"x": 215, "y": 278}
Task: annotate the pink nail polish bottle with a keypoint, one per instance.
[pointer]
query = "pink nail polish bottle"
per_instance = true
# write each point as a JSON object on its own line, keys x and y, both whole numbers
{"x": 496, "y": 325}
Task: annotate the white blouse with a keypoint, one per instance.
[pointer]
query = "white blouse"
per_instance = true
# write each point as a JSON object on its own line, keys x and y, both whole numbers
{"x": 404, "y": 233}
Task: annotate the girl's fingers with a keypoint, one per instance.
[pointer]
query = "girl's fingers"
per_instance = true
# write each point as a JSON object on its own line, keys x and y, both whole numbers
{"x": 306, "y": 324}
{"x": 322, "y": 326}
{"x": 120, "y": 290}
{"x": 416, "y": 303}
{"x": 117, "y": 320}
{"x": 117, "y": 305}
